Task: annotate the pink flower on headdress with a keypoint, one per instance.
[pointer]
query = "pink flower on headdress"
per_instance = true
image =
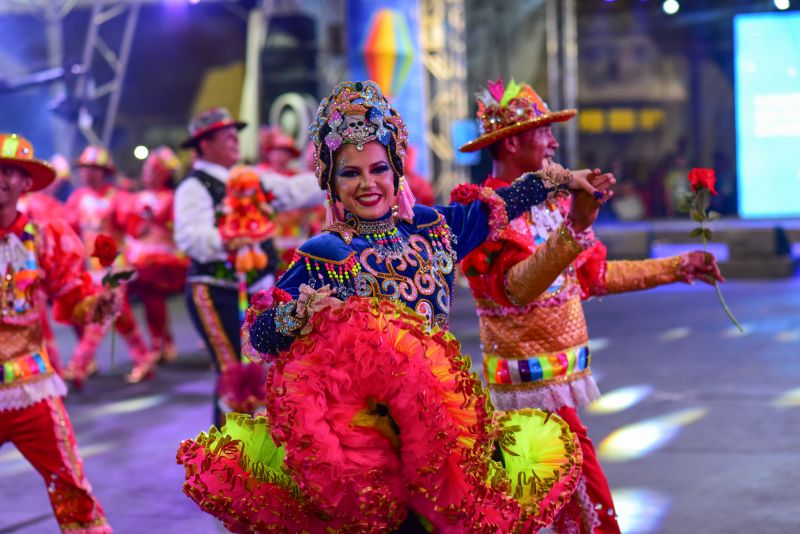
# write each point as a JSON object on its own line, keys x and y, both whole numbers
{"x": 496, "y": 88}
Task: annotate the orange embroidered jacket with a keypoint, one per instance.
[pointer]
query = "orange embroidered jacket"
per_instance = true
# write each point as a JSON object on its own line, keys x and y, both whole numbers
{"x": 528, "y": 287}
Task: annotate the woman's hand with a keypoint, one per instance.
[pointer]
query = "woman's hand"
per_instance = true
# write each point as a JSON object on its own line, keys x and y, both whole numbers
{"x": 311, "y": 301}
{"x": 699, "y": 265}
{"x": 593, "y": 181}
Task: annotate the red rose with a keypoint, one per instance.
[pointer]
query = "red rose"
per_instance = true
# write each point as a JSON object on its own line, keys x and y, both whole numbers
{"x": 699, "y": 178}
{"x": 105, "y": 250}
{"x": 464, "y": 193}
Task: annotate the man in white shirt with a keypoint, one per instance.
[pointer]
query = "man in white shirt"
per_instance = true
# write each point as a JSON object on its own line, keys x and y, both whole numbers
{"x": 211, "y": 290}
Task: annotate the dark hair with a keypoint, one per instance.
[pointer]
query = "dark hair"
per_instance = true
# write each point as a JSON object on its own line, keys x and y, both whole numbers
{"x": 495, "y": 148}
{"x": 205, "y": 137}
{"x": 19, "y": 168}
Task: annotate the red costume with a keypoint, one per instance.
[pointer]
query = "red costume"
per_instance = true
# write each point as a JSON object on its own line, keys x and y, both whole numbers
{"x": 42, "y": 257}
{"x": 150, "y": 248}
{"x": 92, "y": 211}
{"x": 40, "y": 207}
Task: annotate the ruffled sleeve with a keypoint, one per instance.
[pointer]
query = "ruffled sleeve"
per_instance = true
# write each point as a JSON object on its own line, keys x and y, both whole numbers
{"x": 479, "y": 213}
{"x": 324, "y": 260}
{"x": 61, "y": 258}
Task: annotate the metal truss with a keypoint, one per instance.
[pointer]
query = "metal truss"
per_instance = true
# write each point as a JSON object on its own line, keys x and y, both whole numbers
{"x": 92, "y": 92}
{"x": 442, "y": 28}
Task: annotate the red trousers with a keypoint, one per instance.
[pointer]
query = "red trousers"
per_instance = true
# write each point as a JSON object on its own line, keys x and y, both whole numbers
{"x": 590, "y": 510}
{"x": 43, "y": 434}
{"x": 155, "y": 312}
{"x": 92, "y": 335}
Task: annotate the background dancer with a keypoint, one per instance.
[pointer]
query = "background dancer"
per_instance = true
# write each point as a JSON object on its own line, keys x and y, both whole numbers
{"x": 95, "y": 208}
{"x": 211, "y": 291}
{"x": 42, "y": 256}
{"x": 150, "y": 247}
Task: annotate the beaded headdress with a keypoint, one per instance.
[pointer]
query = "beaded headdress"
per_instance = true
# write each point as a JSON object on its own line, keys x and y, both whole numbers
{"x": 504, "y": 111}
{"x": 356, "y": 113}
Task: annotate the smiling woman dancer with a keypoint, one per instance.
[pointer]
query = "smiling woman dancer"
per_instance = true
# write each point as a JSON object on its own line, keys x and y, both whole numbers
{"x": 374, "y": 421}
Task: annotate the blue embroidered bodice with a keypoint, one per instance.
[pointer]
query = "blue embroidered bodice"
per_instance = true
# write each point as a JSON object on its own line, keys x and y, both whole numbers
{"x": 411, "y": 261}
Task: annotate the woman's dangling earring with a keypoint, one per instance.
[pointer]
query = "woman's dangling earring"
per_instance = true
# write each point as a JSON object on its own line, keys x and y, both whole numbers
{"x": 405, "y": 201}
{"x": 395, "y": 211}
{"x": 330, "y": 214}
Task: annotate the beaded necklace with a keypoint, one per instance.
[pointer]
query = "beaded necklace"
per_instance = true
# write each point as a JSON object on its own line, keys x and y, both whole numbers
{"x": 382, "y": 235}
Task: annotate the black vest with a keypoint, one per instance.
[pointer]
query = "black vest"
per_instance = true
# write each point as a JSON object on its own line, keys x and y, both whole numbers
{"x": 223, "y": 271}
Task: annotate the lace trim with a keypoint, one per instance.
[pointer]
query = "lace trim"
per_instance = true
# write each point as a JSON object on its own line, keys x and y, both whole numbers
{"x": 551, "y": 397}
{"x": 29, "y": 393}
{"x": 583, "y": 240}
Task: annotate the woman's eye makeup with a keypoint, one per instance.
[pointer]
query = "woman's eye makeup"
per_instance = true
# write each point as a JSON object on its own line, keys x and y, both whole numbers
{"x": 380, "y": 169}
{"x": 348, "y": 173}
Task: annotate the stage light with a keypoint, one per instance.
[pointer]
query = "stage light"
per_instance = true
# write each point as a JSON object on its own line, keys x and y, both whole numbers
{"x": 640, "y": 439}
{"x": 140, "y": 152}
{"x": 782, "y": 4}
{"x": 670, "y": 7}
{"x": 787, "y": 399}
{"x": 619, "y": 399}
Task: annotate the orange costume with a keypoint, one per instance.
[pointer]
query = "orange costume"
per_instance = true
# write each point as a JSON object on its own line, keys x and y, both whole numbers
{"x": 245, "y": 218}
{"x": 93, "y": 211}
{"x": 38, "y": 257}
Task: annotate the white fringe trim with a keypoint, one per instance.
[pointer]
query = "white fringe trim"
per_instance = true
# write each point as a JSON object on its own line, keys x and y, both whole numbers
{"x": 29, "y": 393}
{"x": 575, "y": 394}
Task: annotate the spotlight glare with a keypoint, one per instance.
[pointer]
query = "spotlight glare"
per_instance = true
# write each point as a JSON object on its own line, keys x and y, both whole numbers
{"x": 670, "y": 7}
{"x": 782, "y": 4}
{"x": 140, "y": 152}
{"x": 620, "y": 399}
{"x": 640, "y": 439}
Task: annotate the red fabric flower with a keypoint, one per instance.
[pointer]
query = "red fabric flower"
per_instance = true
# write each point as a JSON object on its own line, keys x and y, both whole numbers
{"x": 699, "y": 178}
{"x": 105, "y": 250}
{"x": 465, "y": 193}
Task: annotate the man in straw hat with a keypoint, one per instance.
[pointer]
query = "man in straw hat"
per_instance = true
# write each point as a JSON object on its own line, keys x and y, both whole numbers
{"x": 533, "y": 332}
{"x": 211, "y": 290}
{"x": 97, "y": 208}
{"x": 42, "y": 256}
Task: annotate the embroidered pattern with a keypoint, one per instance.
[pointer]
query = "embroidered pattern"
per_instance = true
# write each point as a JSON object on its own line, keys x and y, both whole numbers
{"x": 420, "y": 274}
{"x": 212, "y": 325}
{"x": 19, "y": 270}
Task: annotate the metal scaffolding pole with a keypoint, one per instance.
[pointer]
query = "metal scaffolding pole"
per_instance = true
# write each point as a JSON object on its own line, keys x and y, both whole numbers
{"x": 443, "y": 27}
{"x": 562, "y": 68}
{"x": 86, "y": 92}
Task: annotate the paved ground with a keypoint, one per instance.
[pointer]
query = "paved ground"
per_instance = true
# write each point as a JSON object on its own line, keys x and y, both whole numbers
{"x": 698, "y": 430}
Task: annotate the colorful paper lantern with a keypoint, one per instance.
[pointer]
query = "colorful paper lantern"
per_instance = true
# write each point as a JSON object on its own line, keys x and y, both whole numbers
{"x": 388, "y": 50}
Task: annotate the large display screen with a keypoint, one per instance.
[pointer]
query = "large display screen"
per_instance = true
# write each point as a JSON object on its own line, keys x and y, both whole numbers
{"x": 767, "y": 77}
